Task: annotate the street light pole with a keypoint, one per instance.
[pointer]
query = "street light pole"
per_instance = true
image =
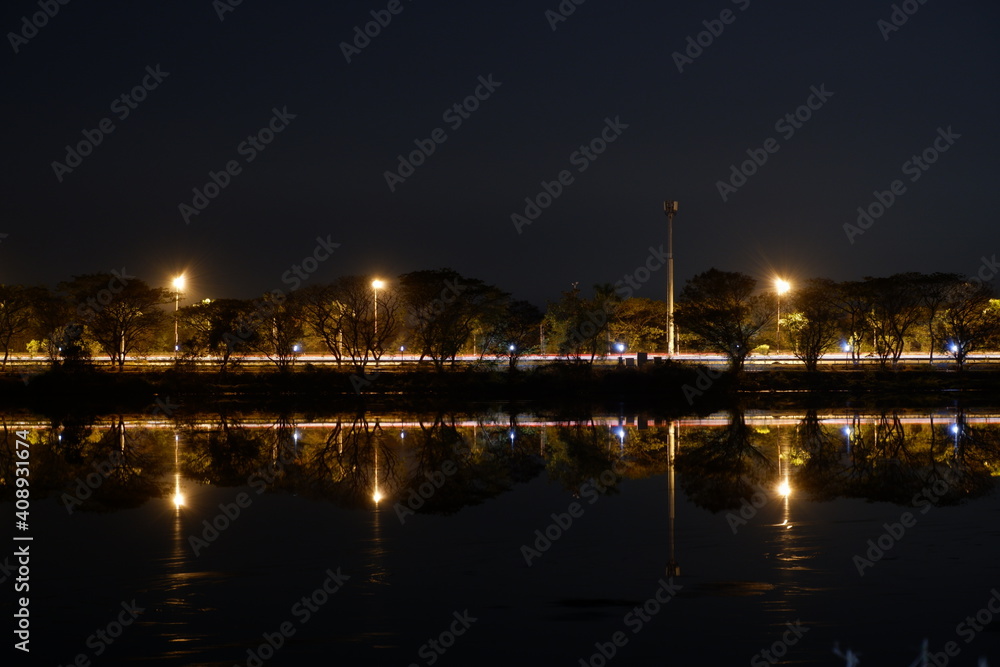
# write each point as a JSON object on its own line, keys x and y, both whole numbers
{"x": 669, "y": 208}
{"x": 781, "y": 287}
{"x": 178, "y": 285}
{"x": 376, "y": 284}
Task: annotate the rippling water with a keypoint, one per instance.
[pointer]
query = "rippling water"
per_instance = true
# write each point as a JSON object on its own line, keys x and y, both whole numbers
{"x": 357, "y": 582}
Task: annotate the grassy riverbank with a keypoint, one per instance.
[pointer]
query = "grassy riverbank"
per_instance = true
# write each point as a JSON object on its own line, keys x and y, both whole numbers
{"x": 669, "y": 386}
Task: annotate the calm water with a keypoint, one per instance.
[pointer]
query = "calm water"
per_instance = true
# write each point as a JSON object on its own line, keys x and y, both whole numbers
{"x": 763, "y": 518}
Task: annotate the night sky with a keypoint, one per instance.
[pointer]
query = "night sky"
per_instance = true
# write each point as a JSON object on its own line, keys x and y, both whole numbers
{"x": 609, "y": 64}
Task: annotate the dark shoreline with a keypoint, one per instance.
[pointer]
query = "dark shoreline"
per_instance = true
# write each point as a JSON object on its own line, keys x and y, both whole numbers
{"x": 672, "y": 388}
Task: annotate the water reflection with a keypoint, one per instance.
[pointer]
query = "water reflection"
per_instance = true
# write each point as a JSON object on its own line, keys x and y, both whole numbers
{"x": 366, "y": 461}
{"x": 326, "y": 491}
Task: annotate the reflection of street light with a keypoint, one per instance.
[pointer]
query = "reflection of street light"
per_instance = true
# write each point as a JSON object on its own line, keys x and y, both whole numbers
{"x": 178, "y": 496}
{"x": 784, "y": 486}
{"x": 377, "y": 496}
{"x": 780, "y": 287}
{"x": 178, "y": 285}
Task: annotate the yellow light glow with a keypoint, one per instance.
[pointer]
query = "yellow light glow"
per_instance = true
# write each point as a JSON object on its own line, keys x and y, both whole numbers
{"x": 378, "y": 284}
{"x": 782, "y": 286}
{"x": 785, "y": 489}
{"x": 179, "y": 283}
{"x": 376, "y": 496}
{"x": 178, "y": 499}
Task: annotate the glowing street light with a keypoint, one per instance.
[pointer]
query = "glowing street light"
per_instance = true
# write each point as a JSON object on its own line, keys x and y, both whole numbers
{"x": 178, "y": 284}
{"x": 780, "y": 287}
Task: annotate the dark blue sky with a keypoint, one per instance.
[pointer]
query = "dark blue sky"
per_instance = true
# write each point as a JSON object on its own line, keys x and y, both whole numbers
{"x": 324, "y": 174}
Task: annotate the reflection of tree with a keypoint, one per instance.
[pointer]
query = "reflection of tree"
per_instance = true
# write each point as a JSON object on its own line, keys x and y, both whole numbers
{"x": 718, "y": 470}
{"x": 821, "y": 453}
{"x": 973, "y": 454}
{"x": 890, "y": 462}
{"x": 120, "y": 469}
{"x": 343, "y": 467}
{"x": 883, "y": 465}
{"x": 581, "y": 452}
{"x": 879, "y": 458}
{"x": 228, "y": 454}
{"x": 482, "y": 470}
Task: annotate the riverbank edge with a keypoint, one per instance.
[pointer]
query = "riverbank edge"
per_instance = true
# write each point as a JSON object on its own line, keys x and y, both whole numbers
{"x": 673, "y": 387}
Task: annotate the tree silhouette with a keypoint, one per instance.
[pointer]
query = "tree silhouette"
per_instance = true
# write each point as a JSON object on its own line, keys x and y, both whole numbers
{"x": 721, "y": 308}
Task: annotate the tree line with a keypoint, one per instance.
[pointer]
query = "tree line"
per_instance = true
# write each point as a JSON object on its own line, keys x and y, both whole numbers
{"x": 876, "y": 316}
{"x": 440, "y": 314}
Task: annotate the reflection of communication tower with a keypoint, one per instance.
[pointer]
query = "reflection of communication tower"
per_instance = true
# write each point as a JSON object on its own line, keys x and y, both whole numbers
{"x": 673, "y": 569}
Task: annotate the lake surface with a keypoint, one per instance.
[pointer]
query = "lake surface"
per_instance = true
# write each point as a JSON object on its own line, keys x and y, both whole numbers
{"x": 501, "y": 539}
